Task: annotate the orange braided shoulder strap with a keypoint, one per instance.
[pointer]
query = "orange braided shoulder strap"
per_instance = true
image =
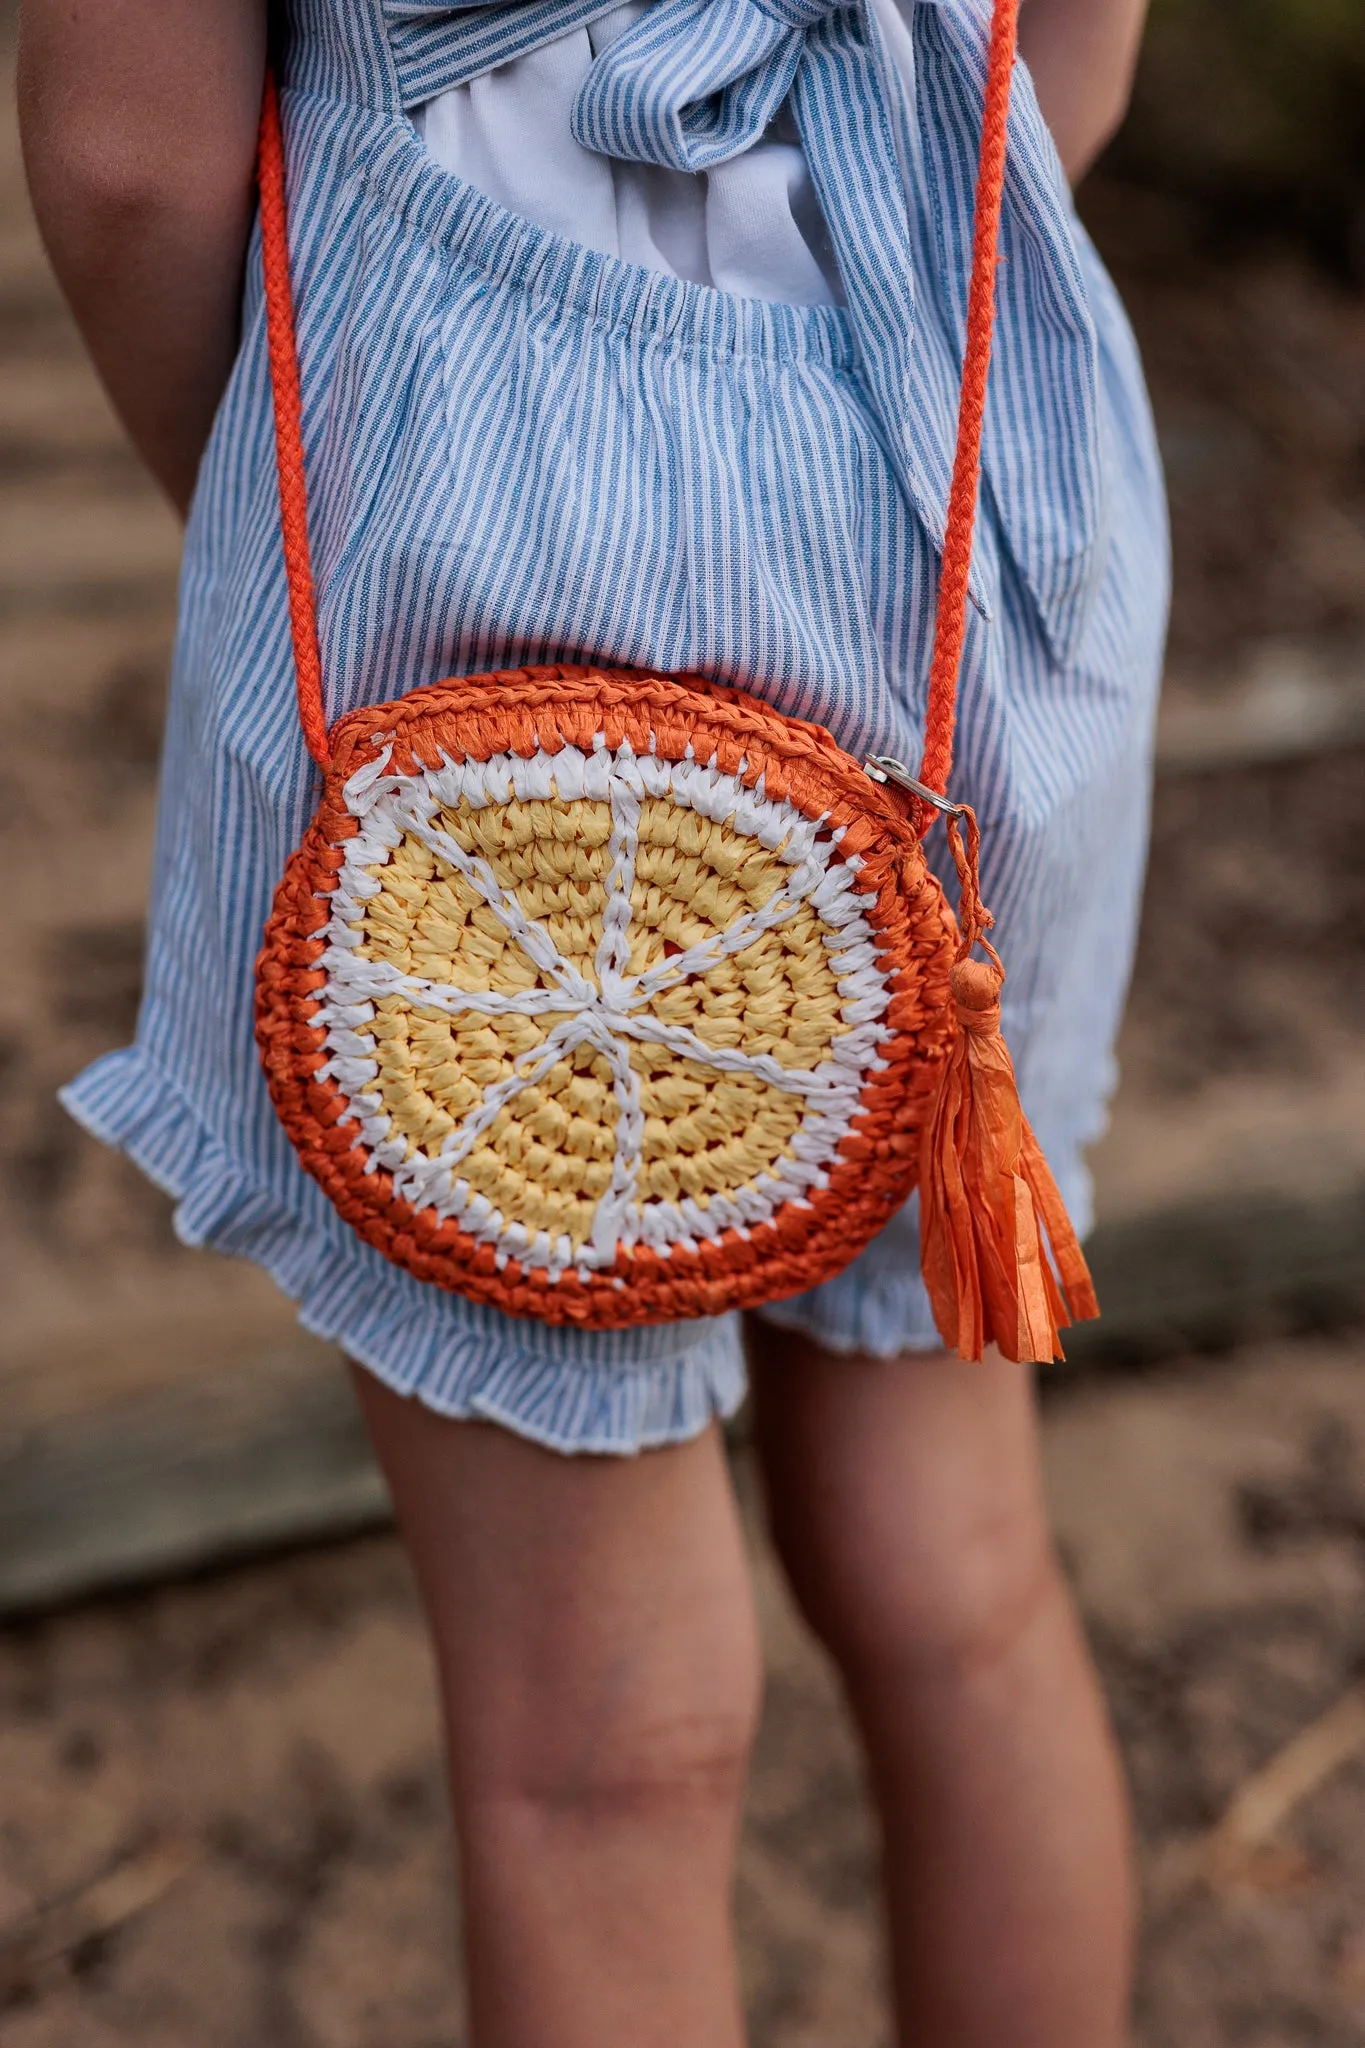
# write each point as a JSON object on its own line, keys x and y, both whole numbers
{"x": 442, "y": 1187}
{"x": 288, "y": 407}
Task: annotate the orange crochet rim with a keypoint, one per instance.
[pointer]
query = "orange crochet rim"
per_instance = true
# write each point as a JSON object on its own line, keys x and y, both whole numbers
{"x": 864, "y": 839}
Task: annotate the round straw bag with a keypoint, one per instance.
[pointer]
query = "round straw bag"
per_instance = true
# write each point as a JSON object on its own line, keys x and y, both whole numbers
{"x": 610, "y": 998}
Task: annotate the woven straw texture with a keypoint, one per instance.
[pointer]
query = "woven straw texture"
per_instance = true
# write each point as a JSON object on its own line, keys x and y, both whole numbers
{"x": 605, "y": 998}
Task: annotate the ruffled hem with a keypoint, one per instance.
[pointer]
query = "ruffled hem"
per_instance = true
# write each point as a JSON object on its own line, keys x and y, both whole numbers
{"x": 459, "y": 1360}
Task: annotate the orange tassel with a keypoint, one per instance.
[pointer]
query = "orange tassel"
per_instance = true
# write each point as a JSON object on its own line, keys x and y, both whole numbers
{"x": 989, "y": 1207}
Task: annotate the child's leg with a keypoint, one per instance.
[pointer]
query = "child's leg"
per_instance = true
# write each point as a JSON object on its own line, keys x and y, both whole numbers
{"x": 600, "y": 1674}
{"x": 906, "y": 1505}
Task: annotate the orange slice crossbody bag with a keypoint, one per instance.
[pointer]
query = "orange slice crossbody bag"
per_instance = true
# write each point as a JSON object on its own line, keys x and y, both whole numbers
{"x": 606, "y": 998}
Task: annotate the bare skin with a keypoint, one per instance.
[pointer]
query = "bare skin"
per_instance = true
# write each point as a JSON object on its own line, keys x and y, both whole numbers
{"x": 1082, "y": 57}
{"x": 138, "y": 120}
{"x": 591, "y": 1616}
{"x": 905, "y": 1500}
{"x": 599, "y": 1668}
{"x": 596, "y": 1648}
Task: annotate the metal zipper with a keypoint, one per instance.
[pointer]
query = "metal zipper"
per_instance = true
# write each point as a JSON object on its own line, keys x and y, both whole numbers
{"x": 885, "y": 768}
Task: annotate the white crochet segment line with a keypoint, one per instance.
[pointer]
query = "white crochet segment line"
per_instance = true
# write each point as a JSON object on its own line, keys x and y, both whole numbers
{"x": 608, "y": 1016}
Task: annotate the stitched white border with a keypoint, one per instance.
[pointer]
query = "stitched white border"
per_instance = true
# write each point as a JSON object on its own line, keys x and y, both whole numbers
{"x": 608, "y": 1017}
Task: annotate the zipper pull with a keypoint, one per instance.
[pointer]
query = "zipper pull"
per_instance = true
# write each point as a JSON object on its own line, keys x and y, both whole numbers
{"x": 885, "y": 768}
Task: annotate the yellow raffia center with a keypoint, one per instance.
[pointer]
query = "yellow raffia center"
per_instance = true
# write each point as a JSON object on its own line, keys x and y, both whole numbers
{"x": 547, "y": 1159}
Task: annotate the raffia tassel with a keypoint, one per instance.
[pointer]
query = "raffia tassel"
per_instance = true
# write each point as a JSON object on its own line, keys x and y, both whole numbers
{"x": 989, "y": 1207}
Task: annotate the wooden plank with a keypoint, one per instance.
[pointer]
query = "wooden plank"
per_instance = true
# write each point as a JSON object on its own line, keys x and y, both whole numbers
{"x": 1222, "y": 1271}
{"x": 264, "y": 1447}
{"x": 1288, "y": 703}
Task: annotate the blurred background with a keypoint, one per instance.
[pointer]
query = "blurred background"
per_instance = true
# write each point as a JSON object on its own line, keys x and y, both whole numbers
{"x": 221, "y": 1814}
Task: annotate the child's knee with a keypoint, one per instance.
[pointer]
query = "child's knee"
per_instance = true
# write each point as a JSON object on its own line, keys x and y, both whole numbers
{"x": 947, "y": 1598}
{"x": 969, "y": 1612}
{"x": 661, "y": 1741}
{"x": 671, "y": 1785}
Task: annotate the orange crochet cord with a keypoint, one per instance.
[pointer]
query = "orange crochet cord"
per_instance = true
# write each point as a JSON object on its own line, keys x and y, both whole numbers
{"x": 951, "y": 617}
{"x": 950, "y": 623}
{"x": 284, "y": 385}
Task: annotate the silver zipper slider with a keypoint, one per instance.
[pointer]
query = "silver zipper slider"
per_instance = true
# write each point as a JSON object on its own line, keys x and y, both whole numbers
{"x": 885, "y": 768}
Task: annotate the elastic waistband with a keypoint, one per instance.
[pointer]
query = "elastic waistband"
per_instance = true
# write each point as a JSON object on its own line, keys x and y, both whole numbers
{"x": 509, "y": 252}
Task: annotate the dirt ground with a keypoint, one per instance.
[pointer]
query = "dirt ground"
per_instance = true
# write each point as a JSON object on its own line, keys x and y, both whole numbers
{"x": 221, "y": 1810}
{"x": 255, "y": 1758}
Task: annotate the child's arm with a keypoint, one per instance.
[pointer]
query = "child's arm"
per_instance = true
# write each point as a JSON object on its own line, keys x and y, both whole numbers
{"x": 138, "y": 120}
{"x": 1082, "y": 54}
